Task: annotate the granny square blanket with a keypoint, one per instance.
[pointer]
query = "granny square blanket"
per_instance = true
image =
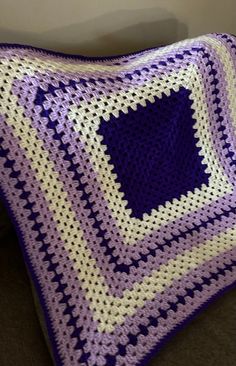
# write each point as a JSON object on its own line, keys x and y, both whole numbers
{"x": 119, "y": 175}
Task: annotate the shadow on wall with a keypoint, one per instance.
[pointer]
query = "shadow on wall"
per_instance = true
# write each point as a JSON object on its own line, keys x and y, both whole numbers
{"x": 113, "y": 33}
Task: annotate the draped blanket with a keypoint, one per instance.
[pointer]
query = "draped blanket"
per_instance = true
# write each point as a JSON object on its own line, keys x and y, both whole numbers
{"x": 119, "y": 175}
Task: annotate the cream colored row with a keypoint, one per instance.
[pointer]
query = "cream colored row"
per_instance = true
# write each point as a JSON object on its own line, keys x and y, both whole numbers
{"x": 87, "y": 124}
{"x": 58, "y": 65}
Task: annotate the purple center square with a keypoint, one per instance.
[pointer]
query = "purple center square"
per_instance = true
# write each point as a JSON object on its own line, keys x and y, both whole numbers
{"x": 154, "y": 153}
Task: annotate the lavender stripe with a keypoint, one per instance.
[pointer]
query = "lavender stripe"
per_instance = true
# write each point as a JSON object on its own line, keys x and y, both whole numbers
{"x": 224, "y": 119}
{"x": 106, "y": 268}
{"x": 161, "y": 301}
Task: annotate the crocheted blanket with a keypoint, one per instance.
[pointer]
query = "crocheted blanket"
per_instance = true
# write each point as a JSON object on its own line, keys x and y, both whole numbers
{"x": 119, "y": 175}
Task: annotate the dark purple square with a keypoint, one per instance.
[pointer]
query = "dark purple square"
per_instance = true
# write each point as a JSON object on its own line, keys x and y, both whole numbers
{"x": 154, "y": 152}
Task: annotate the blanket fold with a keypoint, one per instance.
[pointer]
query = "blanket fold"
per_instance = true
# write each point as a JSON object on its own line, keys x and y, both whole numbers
{"x": 119, "y": 175}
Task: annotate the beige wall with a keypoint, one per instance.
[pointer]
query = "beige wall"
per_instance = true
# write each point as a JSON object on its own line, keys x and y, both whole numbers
{"x": 111, "y": 26}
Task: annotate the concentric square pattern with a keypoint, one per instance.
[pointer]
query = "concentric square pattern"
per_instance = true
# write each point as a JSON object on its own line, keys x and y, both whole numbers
{"x": 119, "y": 174}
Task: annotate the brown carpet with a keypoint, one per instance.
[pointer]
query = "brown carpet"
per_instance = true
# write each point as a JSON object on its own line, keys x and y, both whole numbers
{"x": 210, "y": 339}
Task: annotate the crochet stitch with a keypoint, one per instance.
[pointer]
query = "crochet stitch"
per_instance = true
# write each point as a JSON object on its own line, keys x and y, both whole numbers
{"x": 119, "y": 175}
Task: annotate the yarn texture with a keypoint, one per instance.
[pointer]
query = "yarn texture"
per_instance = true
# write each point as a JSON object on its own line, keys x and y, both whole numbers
{"x": 119, "y": 176}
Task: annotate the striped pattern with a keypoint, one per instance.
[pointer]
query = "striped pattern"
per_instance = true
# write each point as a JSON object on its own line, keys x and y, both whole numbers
{"x": 119, "y": 174}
